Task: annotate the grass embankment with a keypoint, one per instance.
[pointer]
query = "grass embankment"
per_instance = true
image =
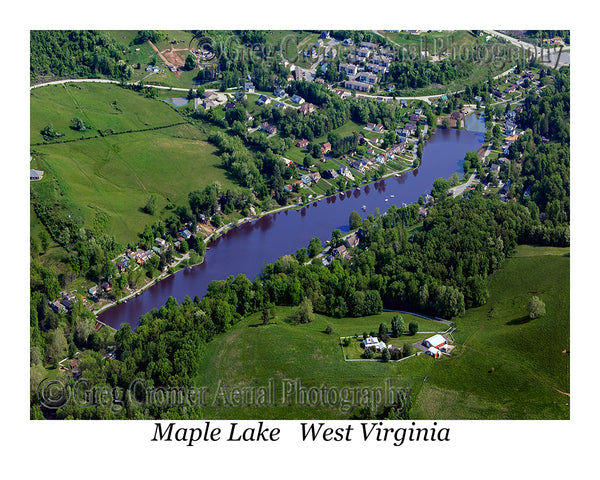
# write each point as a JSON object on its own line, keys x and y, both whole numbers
{"x": 252, "y": 353}
{"x": 505, "y": 366}
{"x": 116, "y": 174}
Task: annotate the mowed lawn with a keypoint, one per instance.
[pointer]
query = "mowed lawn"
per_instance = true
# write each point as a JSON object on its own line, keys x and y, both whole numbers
{"x": 508, "y": 366}
{"x": 116, "y": 175}
{"x": 252, "y": 353}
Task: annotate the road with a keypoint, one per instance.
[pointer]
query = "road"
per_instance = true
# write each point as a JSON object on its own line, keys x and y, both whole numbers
{"x": 548, "y": 56}
{"x": 460, "y": 189}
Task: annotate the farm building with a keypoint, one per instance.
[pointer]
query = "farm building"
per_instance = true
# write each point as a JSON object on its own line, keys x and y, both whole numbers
{"x": 35, "y": 174}
{"x": 434, "y": 352}
{"x": 436, "y": 341}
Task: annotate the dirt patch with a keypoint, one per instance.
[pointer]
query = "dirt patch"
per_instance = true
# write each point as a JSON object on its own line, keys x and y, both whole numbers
{"x": 208, "y": 229}
{"x": 176, "y": 57}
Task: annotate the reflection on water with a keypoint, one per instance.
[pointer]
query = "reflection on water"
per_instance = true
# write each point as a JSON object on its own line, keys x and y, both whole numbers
{"x": 246, "y": 249}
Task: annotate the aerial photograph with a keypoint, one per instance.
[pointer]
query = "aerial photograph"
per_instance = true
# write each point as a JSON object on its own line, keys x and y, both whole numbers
{"x": 299, "y": 225}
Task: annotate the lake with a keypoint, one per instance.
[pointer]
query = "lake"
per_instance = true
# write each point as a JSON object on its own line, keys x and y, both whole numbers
{"x": 247, "y": 248}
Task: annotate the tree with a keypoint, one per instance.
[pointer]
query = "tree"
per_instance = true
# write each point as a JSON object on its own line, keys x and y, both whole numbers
{"x": 45, "y": 240}
{"x": 314, "y": 247}
{"x": 355, "y": 220}
{"x": 77, "y": 124}
{"x": 385, "y": 355}
{"x": 446, "y": 122}
{"x": 413, "y": 328}
{"x": 336, "y": 238}
{"x": 383, "y": 329}
{"x": 150, "y": 206}
{"x": 190, "y": 62}
{"x": 329, "y": 329}
{"x": 536, "y": 307}
{"x": 398, "y": 327}
{"x": 304, "y": 313}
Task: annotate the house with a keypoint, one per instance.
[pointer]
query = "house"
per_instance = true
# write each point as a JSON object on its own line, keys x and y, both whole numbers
{"x": 363, "y": 52}
{"x": 376, "y": 68}
{"x": 315, "y": 177}
{"x": 357, "y": 166}
{"x": 498, "y": 94}
{"x": 186, "y": 234}
{"x": 495, "y": 167}
{"x": 229, "y": 106}
{"x": 297, "y": 99}
{"x": 106, "y": 287}
{"x": 161, "y": 243}
{"x": 373, "y": 342}
{"x": 434, "y": 352}
{"x": 403, "y": 103}
{"x": 302, "y": 143}
{"x": 348, "y": 68}
{"x": 367, "y": 77}
{"x": 444, "y": 97}
{"x": 512, "y": 138}
{"x": 414, "y": 117}
{"x": 436, "y": 341}
{"x": 319, "y": 43}
{"x": 419, "y": 111}
{"x": 93, "y": 290}
{"x": 354, "y": 85}
{"x": 477, "y": 99}
{"x": 411, "y": 128}
{"x": 352, "y": 241}
{"x": 327, "y": 260}
{"x": 306, "y": 109}
{"x": 249, "y": 87}
{"x": 212, "y": 99}
{"x": 281, "y": 105}
{"x": 331, "y": 173}
{"x": 391, "y": 87}
{"x": 269, "y": 129}
{"x": 347, "y": 42}
{"x": 35, "y": 174}
{"x": 369, "y": 45}
{"x": 457, "y": 116}
{"x": 325, "y": 34}
{"x": 428, "y": 199}
{"x": 263, "y": 100}
{"x": 511, "y": 88}
{"x": 239, "y": 96}
{"x": 306, "y": 180}
{"x": 325, "y": 148}
{"x": 280, "y": 92}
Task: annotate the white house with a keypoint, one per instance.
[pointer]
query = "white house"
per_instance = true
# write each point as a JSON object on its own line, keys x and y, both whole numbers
{"x": 374, "y": 342}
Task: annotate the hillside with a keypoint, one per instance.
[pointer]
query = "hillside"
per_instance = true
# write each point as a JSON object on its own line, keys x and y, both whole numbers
{"x": 505, "y": 366}
{"x": 151, "y": 151}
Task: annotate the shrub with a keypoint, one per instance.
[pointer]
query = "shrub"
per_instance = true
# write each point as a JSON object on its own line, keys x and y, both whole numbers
{"x": 329, "y": 329}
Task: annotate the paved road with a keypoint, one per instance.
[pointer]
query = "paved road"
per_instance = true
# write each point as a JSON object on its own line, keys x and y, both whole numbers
{"x": 548, "y": 56}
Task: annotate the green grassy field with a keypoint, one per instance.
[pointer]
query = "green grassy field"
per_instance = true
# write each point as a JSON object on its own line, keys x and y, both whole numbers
{"x": 118, "y": 173}
{"x": 504, "y": 366}
{"x": 251, "y": 354}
